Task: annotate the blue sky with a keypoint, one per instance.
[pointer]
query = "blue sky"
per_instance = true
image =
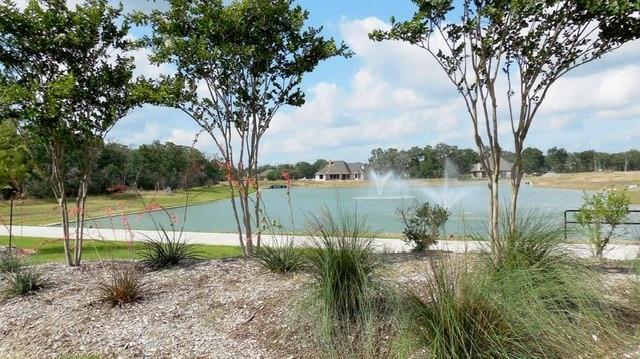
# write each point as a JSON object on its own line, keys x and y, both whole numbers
{"x": 391, "y": 94}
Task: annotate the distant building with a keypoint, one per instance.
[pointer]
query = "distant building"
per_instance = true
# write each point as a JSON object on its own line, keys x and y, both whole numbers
{"x": 342, "y": 171}
{"x": 505, "y": 169}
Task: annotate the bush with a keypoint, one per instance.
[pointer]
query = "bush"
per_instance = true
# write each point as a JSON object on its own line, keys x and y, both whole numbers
{"x": 123, "y": 286}
{"x": 167, "y": 251}
{"x": 422, "y": 224}
{"x": 282, "y": 257}
{"x": 600, "y": 215}
{"x": 23, "y": 281}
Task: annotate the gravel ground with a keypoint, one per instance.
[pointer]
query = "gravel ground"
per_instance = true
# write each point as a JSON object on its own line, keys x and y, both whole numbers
{"x": 227, "y": 308}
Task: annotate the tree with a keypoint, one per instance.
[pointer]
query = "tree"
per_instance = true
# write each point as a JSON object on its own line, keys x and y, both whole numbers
{"x": 532, "y": 160}
{"x": 525, "y": 45}
{"x": 13, "y": 160}
{"x": 65, "y": 83}
{"x": 556, "y": 159}
{"x": 600, "y": 214}
{"x": 249, "y": 58}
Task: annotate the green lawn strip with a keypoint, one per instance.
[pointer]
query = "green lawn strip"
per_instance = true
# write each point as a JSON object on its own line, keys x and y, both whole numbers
{"x": 52, "y": 250}
{"x": 45, "y": 211}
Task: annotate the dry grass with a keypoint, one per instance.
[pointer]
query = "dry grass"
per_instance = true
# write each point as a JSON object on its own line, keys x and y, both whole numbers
{"x": 592, "y": 181}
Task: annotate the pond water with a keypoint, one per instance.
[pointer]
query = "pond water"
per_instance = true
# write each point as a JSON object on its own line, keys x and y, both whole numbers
{"x": 467, "y": 203}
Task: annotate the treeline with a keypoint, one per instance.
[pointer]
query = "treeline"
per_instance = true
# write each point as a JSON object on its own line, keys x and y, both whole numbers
{"x": 119, "y": 167}
{"x": 300, "y": 170}
{"x": 431, "y": 161}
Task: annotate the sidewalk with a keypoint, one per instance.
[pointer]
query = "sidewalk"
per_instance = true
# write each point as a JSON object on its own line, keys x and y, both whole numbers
{"x": 613, "y": 251}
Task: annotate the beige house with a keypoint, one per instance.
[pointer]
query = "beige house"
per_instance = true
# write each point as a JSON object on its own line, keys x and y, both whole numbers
{"x": 342, "y": 171}
{"x": 505, "y": 169}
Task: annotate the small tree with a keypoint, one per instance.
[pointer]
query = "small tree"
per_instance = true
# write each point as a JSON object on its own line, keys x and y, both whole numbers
{"x": 423, "y": 223}
{"x": 503, "y": 56}
{"x": 237, "y": 64}
{"x": 600, "y": 214}
{"x": 65, "y": 82}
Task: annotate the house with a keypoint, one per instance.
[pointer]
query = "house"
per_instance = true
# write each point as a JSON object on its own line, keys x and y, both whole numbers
{"x": 505, "y": 169}
{"x": 341, "y": 171}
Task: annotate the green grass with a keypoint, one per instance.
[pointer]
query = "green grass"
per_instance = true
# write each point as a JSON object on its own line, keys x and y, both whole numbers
{"x": 35, "y": 212}
{"x": 51, "y": 250}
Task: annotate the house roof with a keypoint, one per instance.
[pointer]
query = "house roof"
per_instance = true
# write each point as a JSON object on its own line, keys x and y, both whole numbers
{"x": 341, "y": 167}
{"x": 504, "y": 165}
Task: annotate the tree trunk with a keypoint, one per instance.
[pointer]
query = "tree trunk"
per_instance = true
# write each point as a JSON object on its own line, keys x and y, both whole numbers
{"x": 494, "y": 201}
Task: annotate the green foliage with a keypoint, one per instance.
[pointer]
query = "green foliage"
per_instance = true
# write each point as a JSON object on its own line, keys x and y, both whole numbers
{"x": 281, "y": 257}
{"x": 122, "y": 286}
{"x": 168, "y": 250}
{"x": 423, "y": 223}
{"x": 24, "y": 280}
{"x": 600, "y": 214}
{"x": 65, "y": 83}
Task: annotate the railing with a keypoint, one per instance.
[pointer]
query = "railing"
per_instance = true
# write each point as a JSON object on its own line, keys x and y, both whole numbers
{"x": 631, "y": 223}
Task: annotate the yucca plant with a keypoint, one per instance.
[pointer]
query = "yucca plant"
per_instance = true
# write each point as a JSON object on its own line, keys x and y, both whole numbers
{"x": 168, "y": 250}
{"x": 122, "y": 286}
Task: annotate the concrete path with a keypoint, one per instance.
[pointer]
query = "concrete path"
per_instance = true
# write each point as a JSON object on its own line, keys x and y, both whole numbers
{"x": 613, "y": 251}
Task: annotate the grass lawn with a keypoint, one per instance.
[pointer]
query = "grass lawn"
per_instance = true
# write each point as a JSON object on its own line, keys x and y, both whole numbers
{"x": 52, "y": 250}
{"x": 32, "y": 212}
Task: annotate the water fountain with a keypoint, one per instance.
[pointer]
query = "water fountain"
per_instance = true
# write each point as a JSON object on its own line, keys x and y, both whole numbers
{"x": 449, "y": 193}
{"x": 387, "y": 185}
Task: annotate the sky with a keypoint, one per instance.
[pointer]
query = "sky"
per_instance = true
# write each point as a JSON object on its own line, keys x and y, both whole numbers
{"x": 393, "y": 95}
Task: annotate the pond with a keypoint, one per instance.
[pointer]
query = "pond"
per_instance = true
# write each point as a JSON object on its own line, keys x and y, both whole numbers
{"x": 467, "y": 203}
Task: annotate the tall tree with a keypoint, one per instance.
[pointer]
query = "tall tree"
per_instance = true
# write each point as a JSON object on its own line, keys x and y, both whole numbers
{"x": 65, "y": 84}
{"x": 526, "y": 45}
{"x": 247, "y": 59}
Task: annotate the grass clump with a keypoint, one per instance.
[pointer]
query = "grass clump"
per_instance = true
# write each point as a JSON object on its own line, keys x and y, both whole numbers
{"x": 23, "y": 280}
{"x": 167, "y": 251}
{"x": 529, "y": 299}
{"x": 10, "y": 262}
{"x": 281, "y": 257}
{"x": 348, "y": 306}
{"x": 122, "y": 286}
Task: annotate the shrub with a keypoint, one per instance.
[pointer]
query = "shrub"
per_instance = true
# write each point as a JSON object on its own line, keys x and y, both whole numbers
{"x": 24, "y": 280}
{"x": 166, "y": 251}
{"x": 281, "y": 257}
{"x": 422, "y": 224}
{"x": 123, "y": 286}
{"x": 600, "y": 215}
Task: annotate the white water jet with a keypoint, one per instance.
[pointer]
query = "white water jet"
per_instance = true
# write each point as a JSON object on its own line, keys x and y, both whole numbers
{"x": 448, "y": 194}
